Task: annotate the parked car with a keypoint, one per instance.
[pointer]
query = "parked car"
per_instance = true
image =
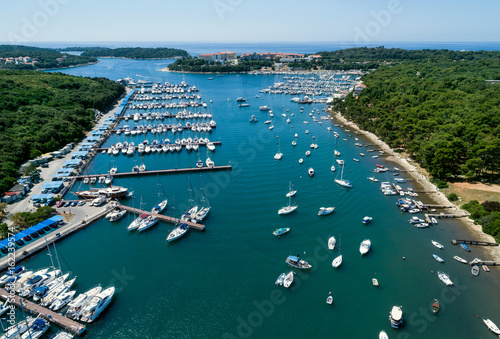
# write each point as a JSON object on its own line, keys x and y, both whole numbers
{"x": 67, "y": 204}
{"x": 74, "y": 203}
{"x": 60, "y": 204}
{"x": 81, "y": 202}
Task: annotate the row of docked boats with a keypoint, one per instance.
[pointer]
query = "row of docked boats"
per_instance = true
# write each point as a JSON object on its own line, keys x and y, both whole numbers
{"x": 159, "y": 146}
{"x": 165, "y": 128}
{"x": 52, "y": 290}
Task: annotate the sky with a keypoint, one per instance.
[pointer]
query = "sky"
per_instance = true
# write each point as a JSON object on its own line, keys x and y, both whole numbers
{"x": 249, "y": 20}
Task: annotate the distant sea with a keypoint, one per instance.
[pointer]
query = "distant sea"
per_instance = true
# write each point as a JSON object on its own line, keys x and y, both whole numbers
{"x": 197, "y": 48}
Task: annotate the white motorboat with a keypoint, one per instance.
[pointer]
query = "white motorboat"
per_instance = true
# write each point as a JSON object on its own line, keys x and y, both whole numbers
{"x": 491, "y": 326}
{"x": 462, "y": 260}
{"x": 365, "y": 246}
{"x": 280, "y": 279}
{"x": 63, "y": 335}
{"x": 333, "y": 168}
{"x": 331, "y": 243}
{"x": 310, "y": 171}
{"x": 177, "y": 232}
{"x": 97, "y": 305}
{"x": 29, "y": 287}
{"x": 117, "y": 215}
{"x": 383, "y": 335}
{"x": 37, "y": 329}
{"x": 211, "y": 146}
{"x": 396, "y": 317}
{"x": 326, "y": 210}
{"x": 42, "y": 291}
{"x": 288, "y": 279}
{"x": 375, "y": 282}
{"x": 372, "y": 179}
{"x": 329, "y": 299}
{"x": 445, "y": 278}
{"x": 76, "y": 305}
{"x": 301, "y": 161}
{"x": 49, "y": 298}
{"x": 438, "y": 245}
{"x": 11, "y": 273}
{"x": 62, "y": 300}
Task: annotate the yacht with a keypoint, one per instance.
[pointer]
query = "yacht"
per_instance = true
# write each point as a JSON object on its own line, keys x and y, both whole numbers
{"x": 49, "y": 298}
{"x": 383, "y": 335}
{"x": 11, "y": 273}
{"x": 301, "y": 161}
{"x": 372, "y": 179}
{"x": 63, "y": 335}
{"x": 62, "y": 300}
{"x": 445, "y": 278}
{"x": 365, "y": 246}
{"x": 147, "y": 223}
{"x": 160, "y": 207}
{"x": 37, "y": 329}
{"x": 342, "y": 182}
{"x": 137, "y": 222}
{"x": 97, "y": 305}
{"x": 210, "y": 163}
{"x": 211, "y": 146}
{"x": 42, "y": 291}
{"x": 117, "y": 215}
{"x": 296, "y": 262}
{"x": 178, "y": 232}
{"x": 326, "y": 210}
{"x": 288, "y": 209}
{"x": 29, "y": 287}
{"x": 367, "y": 220}
{"x": 281, "y": 231}
{"x": 396, "y": 317}
{"x": 77, "y": 305}
{"x": 462, "y": 260}
{"x": 491, "y": 326}
{"x": 15, "y": 331}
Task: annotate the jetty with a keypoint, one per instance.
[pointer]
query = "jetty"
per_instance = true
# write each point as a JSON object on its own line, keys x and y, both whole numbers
{"x": 192, "y": 225}
{"x": 473, "y": 242}
{"x": 480, "y": 262}
{"x": 443, "y": 215}
{"x": 54, "y": 317}
{"x": 167, "y": 171}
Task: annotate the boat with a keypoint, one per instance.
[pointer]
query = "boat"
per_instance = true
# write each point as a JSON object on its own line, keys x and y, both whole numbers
{"x": 308, "y": 153}
{"x": 280, "y": 279}
{"x": 342, "y": 182}
{"x": 421, "y": 225}
{"x": 39, "y": 280}
{"x": 438, "y": 259}
{"x": 475, "y": 270}
{"x": 355, "y": 160}
{"x": 160, "y": 207}
{"x": 416, "y": 220}
{"x": 253, "y": 119}
{"x": 332, "y": 168}
{"x": 310, "y": 171}
{"x": 244, "y": 105}
{"x": 485, "y": 268}
{"x": 338, "y": 260}
{"x": 37, "y": 329}
{"x": 288, "y": 279}
{"x": 296, "y": 262}
{"x": 291, "y": 192}
{"x": 301, "y": 161}
{"x": 329, "y": 300}
{"x": 383, "y": 335}
{"x": 465, "y": 247}
{"x": 367, "y": 220}
{"x": 117, "y": 215}
{"x": 149, "y": 221}
{"x": 62, "y": 300}
{"x": 281, "y": 231}
{"x": 42, "y": 291}
{"x": 326, "y": 210}
{"x": 372, "y": 179}
{"x": 51, "y": 297}
{"x": 457, "y": 258}
{"x": 331, "y": 243}
{"x": 438, "y": 245}
{"x": 375, "y": 282}
{"x": 178, "y": 232}
{"x": 434, "y": 221}
{"x": 209, "y": 163}
{"x": 211, "y": 146}
{"x": 435, "y": 306}
{"x": 491, "y": 326}
{"x": 396, "y": 317}
{"x": 365, "y": 246}
{"x": 97, "y": 305}
{"x": 17, "y": 270}
{"x": 264, "y": 108}
{"x": 137, "y": 222}
{"x": 76, "y": 305}
{"x": 63, "y": 335}
{"x": 288, "y": 209}
{"x": 15, "y": 331}
{"x": 114, "y": 192}
{"x": 445, "y": 278}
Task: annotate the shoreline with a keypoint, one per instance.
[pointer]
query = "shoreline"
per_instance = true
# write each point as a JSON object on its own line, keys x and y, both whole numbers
{"x": 417, "y": 174}
{"x": 73, "y": 66}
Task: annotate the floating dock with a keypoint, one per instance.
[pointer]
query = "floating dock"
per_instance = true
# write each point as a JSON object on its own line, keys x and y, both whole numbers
{"x": 481, "y": 263}
{"x": 168, "y": 171}
{"x": 192, "y": 225}
{"x": 473, "y": 242}
{"x": 442, "y": 215}
{"x": 54, "y": 317}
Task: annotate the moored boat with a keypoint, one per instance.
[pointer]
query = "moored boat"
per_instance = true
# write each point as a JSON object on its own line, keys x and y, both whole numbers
{"x": 288, "y": 279}
{"x": 281, "y": 231}
{"x": 365, "y": 246}
{"x": 475, "y": 270}
{"x": 457, "y": 258}
{"x": 465, "y": 247}
{"x": 396, "y": 317}
{"x": 296, "y": 262}
{"x": 326, "y": 210}
{"x": 375, "y": 282}
{"x": 383, "y": 335}
{"x": 280, "y": 279}
{"x": 435, "y": 306}
{"x": 438, "y": 259}
{"x": 177, "y": 232}
{"x": 331, "y": 243}
{"x": 329, "y": 299}
{"x": 438, "y": 245}
{"x": 491, "y": 326}
{"x": 485, "y": 268}
{"x": 337, "y": 261}
{"x": 367, "y": 220}
{"x": 445, "y": 278}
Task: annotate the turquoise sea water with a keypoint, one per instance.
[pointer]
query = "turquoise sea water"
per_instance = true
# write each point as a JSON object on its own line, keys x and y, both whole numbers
{"x": 220, "y": 283}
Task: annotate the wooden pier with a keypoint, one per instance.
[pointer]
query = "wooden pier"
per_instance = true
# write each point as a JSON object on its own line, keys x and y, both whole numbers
{"x": 216, "y": 143}
{"x": 54, "y": 317}
{"x": 192, "y": 225}
{"x": 168, "y": 171}
{"x": 481, "y": 263}
{"x": 473, "y": 242}
{"x": 443, "y": 215}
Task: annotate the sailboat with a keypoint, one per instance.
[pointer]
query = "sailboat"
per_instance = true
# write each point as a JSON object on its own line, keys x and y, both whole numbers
{"x": 191, "y": 212}
{"x": 203, "y": 212}
{"x": 288, "y": 209}
{"x": 291, "y": 192}
{"x": 278, "y": 155}
{"x": 160, "y": 207}
{"x": 338, "y": 260}
{"x": 342, "y": 182}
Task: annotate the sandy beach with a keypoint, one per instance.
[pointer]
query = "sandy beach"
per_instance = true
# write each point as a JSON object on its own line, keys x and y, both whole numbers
{"x": 417, "y": 174}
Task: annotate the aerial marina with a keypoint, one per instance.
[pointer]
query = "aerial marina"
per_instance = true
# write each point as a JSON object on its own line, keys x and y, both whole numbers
{"x": 253, "y": 181}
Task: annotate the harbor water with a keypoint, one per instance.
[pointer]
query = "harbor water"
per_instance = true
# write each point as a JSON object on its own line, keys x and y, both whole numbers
{"x": 220, "y": 283}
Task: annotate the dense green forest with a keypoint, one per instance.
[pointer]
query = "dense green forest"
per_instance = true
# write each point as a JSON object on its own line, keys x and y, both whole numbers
{"x": 132, "y": 52}
{"x": 441, "y": 111}
{"x": 41, "y": 112}
{"x": 197, "y": 65}
{"x": 487, "y": 215}
{"x": 45, "y": 57}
